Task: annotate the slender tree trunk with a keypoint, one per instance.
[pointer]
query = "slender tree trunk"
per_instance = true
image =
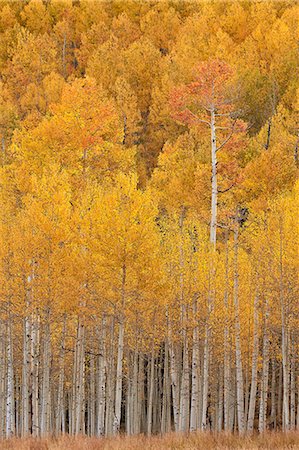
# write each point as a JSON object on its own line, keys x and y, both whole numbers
{"x": 35, "y": 349}
{"x": 78, "y": 380}
{"x": 174, "y": 379}
{"x": 10, "y": 418}
{"x": 2, "y": 378}
{"x": 110, "y": 383}
{"x": 205, "y": 381}
{"x": 219, "y": 417}
{"x": 293, "y": 392}
{"x": 213, "y": 224}
{"x": 265, "y": 375}
{"x": 135, "y": 417}
{"x": 60, "y": 393}
{"x": 267, "y": 144}
{"x": 273, "y": 418}
{"x": 119, "y": 375}
{"x": 239, "y": 369}
{"x": 254, "y": 363}
{"x": 140, "y": 394}
{"x": 185, "y": 388}
{"x": 101, "y": 391}
{"x": 166, "y": 412}
{"x": 151, "y": 380}
{"x": 195, "y": 373}
{"x": 92, "y": 397}
{"x": 26, "y": 376}
{"x": 227, "y": 351}
{"x": 284, "y": 344}
{"x": 279, "y": 397}
{"x": 46, "y": 393}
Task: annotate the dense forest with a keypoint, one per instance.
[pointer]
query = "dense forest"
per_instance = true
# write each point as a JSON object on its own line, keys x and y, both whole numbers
{"x": 149, "y": 217}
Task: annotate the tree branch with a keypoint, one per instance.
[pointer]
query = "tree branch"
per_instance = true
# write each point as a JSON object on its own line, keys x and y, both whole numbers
{"x": 228, "y": 138}
{"x": 197, "y": 118}
{"x": 222, "y": 191}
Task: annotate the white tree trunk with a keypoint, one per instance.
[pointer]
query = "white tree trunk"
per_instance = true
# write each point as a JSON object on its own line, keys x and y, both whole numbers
{"x": 10, "y": 421}
{"x": 284, "y": 343}
{"x": 265, "y": 376}
{"x": 46, "y": 393}
{"x": 60, "y": 394}
{"x": 239, "y": 369}
{"x": 150, "y": 392}
{"x": 120, "y": 352}
{"x": 195, "y": 374}
{"x": 101, "y": 391}
{"x": 213, "y": 224}
{"x": 35, "y": 349}
{"x": 254, "y": 363}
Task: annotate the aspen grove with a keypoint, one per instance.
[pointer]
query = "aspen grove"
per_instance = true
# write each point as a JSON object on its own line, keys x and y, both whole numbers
{"x": 149, "y": 224}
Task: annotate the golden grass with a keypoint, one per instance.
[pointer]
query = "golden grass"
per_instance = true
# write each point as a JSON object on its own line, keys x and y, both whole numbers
{"x": 172, "y": 441}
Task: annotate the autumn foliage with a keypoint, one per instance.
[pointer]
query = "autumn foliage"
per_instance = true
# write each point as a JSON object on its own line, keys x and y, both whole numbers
{"x": 149, "y": 222}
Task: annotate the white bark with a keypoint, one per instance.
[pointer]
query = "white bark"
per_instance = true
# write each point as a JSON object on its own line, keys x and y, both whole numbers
{"x": 265, "y": 376}
{"x": 119, "y": 375}
{"x": 284, "y": 343}
{"x": 254, "y": 363}
{"x": 151, "y": 392}
{"x": 239, "y": 368}
{"x": 45, "y": 392}
{"x": 101, "y": 391}
{"x": 213, "y": 225}
{"x": 174, "y": 382}
{"x": 60, "y": 394}
{"x": 195, "y": 375}
{"x": 10, "y": 421}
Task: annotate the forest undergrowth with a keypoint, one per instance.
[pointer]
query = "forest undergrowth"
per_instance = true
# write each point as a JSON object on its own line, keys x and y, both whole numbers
{"x": 171, "y": 441}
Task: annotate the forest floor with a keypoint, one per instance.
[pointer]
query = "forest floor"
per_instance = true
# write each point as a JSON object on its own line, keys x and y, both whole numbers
{"x": 172, "y": 441}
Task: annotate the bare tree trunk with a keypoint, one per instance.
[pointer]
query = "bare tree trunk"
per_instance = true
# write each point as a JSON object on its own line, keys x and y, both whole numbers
{"x": 166, "y": 411}
{"x": 205, "y": 381}
{"x": 46, "y": 393}
{"x": 35, "y": 349}
{"x": 219, "y": 417}
{"x": 110, "y": 383}
{"x": 26, "y": 377}
{"x": 227, "y": 350}
{"x": 213, "y": 224}
{"x": 185, "y": 388}
{"x": 2, "y": 378}
{"x": 78, "y": 380}
{"x": 265, "y": 375}
{"x": 10, "y": 418}
{"x": 254, "y": 363}
{"x": 174, "y": 379}
{"x": 140, "y": 394}
{"x": 239, "y": 369}
{"x": 293, "y": 392}
{"x": 150, "y": 392}
{"x": 119, "y": 375}
{"x": 279, "y": 397}
{"x": 120, "y": 351}
{"x": 92, "y": 397}
{"x": 195, "y": 374}
{"x": 284, "y": 344}
{"x": 101, "y": 391}
{"x": 135, "y": 417}
{"x": 273, "y": 417}
{"x": 60, "y": 393}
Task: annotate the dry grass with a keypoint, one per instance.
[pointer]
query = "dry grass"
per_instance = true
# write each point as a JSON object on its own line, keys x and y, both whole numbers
{"x": 204, "y": 441}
